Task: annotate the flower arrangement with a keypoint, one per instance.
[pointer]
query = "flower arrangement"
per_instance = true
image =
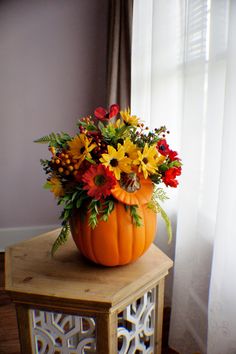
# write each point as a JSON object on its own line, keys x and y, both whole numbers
{"x": 112, "y": 158}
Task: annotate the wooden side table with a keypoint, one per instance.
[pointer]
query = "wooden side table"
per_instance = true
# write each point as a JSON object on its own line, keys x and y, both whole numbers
{"x": 67, "y": 305}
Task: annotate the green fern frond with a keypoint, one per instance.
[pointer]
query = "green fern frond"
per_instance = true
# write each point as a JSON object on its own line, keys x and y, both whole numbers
{"x": 166, "y": 220}
{"x": 160, "y": 194}
{"x": 43, "y": 140}
{"x": 61, "y": 239}
{"x": 54, "y": 139}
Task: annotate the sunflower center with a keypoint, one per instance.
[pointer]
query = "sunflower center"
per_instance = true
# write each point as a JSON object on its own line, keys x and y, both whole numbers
{"x": 82, "y": 150}
{"x": 99, "y": 180}
{"x": 127, "y": 154}
{"x": 145, "y": 160}
{"x": 114, "y": 162}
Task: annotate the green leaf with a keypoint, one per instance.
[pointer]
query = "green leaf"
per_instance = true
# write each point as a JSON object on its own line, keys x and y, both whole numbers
{"x": 61, "y": 239}
{"x": 101, "y": 126}
{"x": 74, "y": 195}
{"x": 78, "y": 203}
{"x": 68, "y": 206}
{"x": 90, "y": 160}
{"x": 47, "y": 185}
{"x": 54, "y": 139}
{"x": 94, "y": 212}
{"x": 137, "y": 220}
{"x": 167, "y": 222}
{"x": 43, "y": 140}
{"x": 111, "y": 206}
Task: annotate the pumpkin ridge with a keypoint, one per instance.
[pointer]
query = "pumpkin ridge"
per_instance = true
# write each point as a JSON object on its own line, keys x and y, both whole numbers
{"x": 133, "y": 243}
{"x": 145, "y": 230}
{"x": 92, "y": 246}
{"x": 80, "y": 236}
{"x": 143, "y": 216}
{"x": 118, "y": 235}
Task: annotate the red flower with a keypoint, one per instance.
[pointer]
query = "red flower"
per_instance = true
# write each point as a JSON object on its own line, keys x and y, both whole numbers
{"x": 173, "y": 155}
{"x": 170, "y": 175}
{"x": 81, "y": 171}
{"x": 102, "y": 114}
{"x": 99, "y": 181}
{"x": 163, "y": 147}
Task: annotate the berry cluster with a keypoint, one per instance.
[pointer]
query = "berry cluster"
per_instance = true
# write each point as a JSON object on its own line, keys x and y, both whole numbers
{"x": 63, "y": 163}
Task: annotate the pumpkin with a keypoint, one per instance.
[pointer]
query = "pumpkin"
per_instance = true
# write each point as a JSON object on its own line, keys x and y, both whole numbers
{"x": 116, "y": 241}
{"x": 139, "y": 196}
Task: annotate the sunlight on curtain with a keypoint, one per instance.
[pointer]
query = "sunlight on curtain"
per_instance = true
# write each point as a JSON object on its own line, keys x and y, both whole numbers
{"x": 141, "y": 60}
{"x": 191, "y": 80}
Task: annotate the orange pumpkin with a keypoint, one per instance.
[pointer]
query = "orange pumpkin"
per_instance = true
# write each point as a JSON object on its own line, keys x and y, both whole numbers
{"x": 116, "y": 241}
{"x": 140, "y": 196}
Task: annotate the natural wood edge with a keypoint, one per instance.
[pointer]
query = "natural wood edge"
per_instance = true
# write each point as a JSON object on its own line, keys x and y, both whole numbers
{"x": 59, "y": 303}
{"x": 8, "y": 268}
{"x": 107, "y": 333}
{"x": 159, "y": 315}
{"x": 138, "y": 293}
{"x": 24, "y": 328}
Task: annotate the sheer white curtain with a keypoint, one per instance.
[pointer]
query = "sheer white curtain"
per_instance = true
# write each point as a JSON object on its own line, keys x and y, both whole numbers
{"x": 187, "y": 80}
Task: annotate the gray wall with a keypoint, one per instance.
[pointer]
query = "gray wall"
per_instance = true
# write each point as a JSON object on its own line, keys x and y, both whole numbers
{"x": 52, "y": 71}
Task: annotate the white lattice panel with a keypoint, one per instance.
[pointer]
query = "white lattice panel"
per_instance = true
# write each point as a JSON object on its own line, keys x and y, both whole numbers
{"x": 136, "y": 326}
{"x": 57, "y": 333}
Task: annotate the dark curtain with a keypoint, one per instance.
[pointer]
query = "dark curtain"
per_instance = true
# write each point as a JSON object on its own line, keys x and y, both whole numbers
{"x": 119, "y": 52}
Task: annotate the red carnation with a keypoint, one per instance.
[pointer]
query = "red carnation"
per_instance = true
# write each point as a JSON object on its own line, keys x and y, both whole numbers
{"x": 173, "y": 155}
{"x": 170, "y": 175}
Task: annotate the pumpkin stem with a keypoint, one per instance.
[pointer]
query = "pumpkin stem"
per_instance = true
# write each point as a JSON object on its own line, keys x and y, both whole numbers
{"x": 130, "y": 182}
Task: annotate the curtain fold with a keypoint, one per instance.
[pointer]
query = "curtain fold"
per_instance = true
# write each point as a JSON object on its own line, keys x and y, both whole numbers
{"x": 119, "y": 52}
{"x": 192, "y": 89}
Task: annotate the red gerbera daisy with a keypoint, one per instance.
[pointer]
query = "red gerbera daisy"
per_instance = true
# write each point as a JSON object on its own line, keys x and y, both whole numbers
{"x": 99, "y": 181}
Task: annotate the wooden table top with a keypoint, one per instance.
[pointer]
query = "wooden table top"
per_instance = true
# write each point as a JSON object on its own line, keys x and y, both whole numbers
{"x": 32, "y": 275}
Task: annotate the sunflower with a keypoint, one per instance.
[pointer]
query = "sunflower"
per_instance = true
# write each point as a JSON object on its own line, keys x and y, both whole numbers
{"x": 130, "y": 149}
{"x": 55, "y": 186}
{"x": 116, "y": 160}
{"x": 98, "y": 181}
{"x": 128, "y": 119}
{"x": 148, "y": 160}
{"x": 80, "y": 148}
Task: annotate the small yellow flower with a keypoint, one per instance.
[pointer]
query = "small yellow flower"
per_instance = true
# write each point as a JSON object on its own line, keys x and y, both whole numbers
{"x": 117, "y": 124}
{"x": 131, "y": 150}
{"x": 128, "y": 119}
{"x": 80, "y": 148}
{"x": 116, "y": 161}
{"x": 56, "y": 187}
{"x": 148, "y": 160}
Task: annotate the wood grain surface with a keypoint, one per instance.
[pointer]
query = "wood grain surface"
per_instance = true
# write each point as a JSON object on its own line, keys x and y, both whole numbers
{"x": 31, "y": 270}
{"x": 9, "y": 340}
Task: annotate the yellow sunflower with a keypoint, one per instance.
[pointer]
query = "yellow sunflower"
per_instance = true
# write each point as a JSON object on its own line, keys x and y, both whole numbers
{"x": 131, "y": 150}
{"x": 128, "y": 119}
{"x": 80, "y": 148}
{"x": 148, "y": 160}
{"x": 55, "y": 186}
{"x": 116, "y": 161}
